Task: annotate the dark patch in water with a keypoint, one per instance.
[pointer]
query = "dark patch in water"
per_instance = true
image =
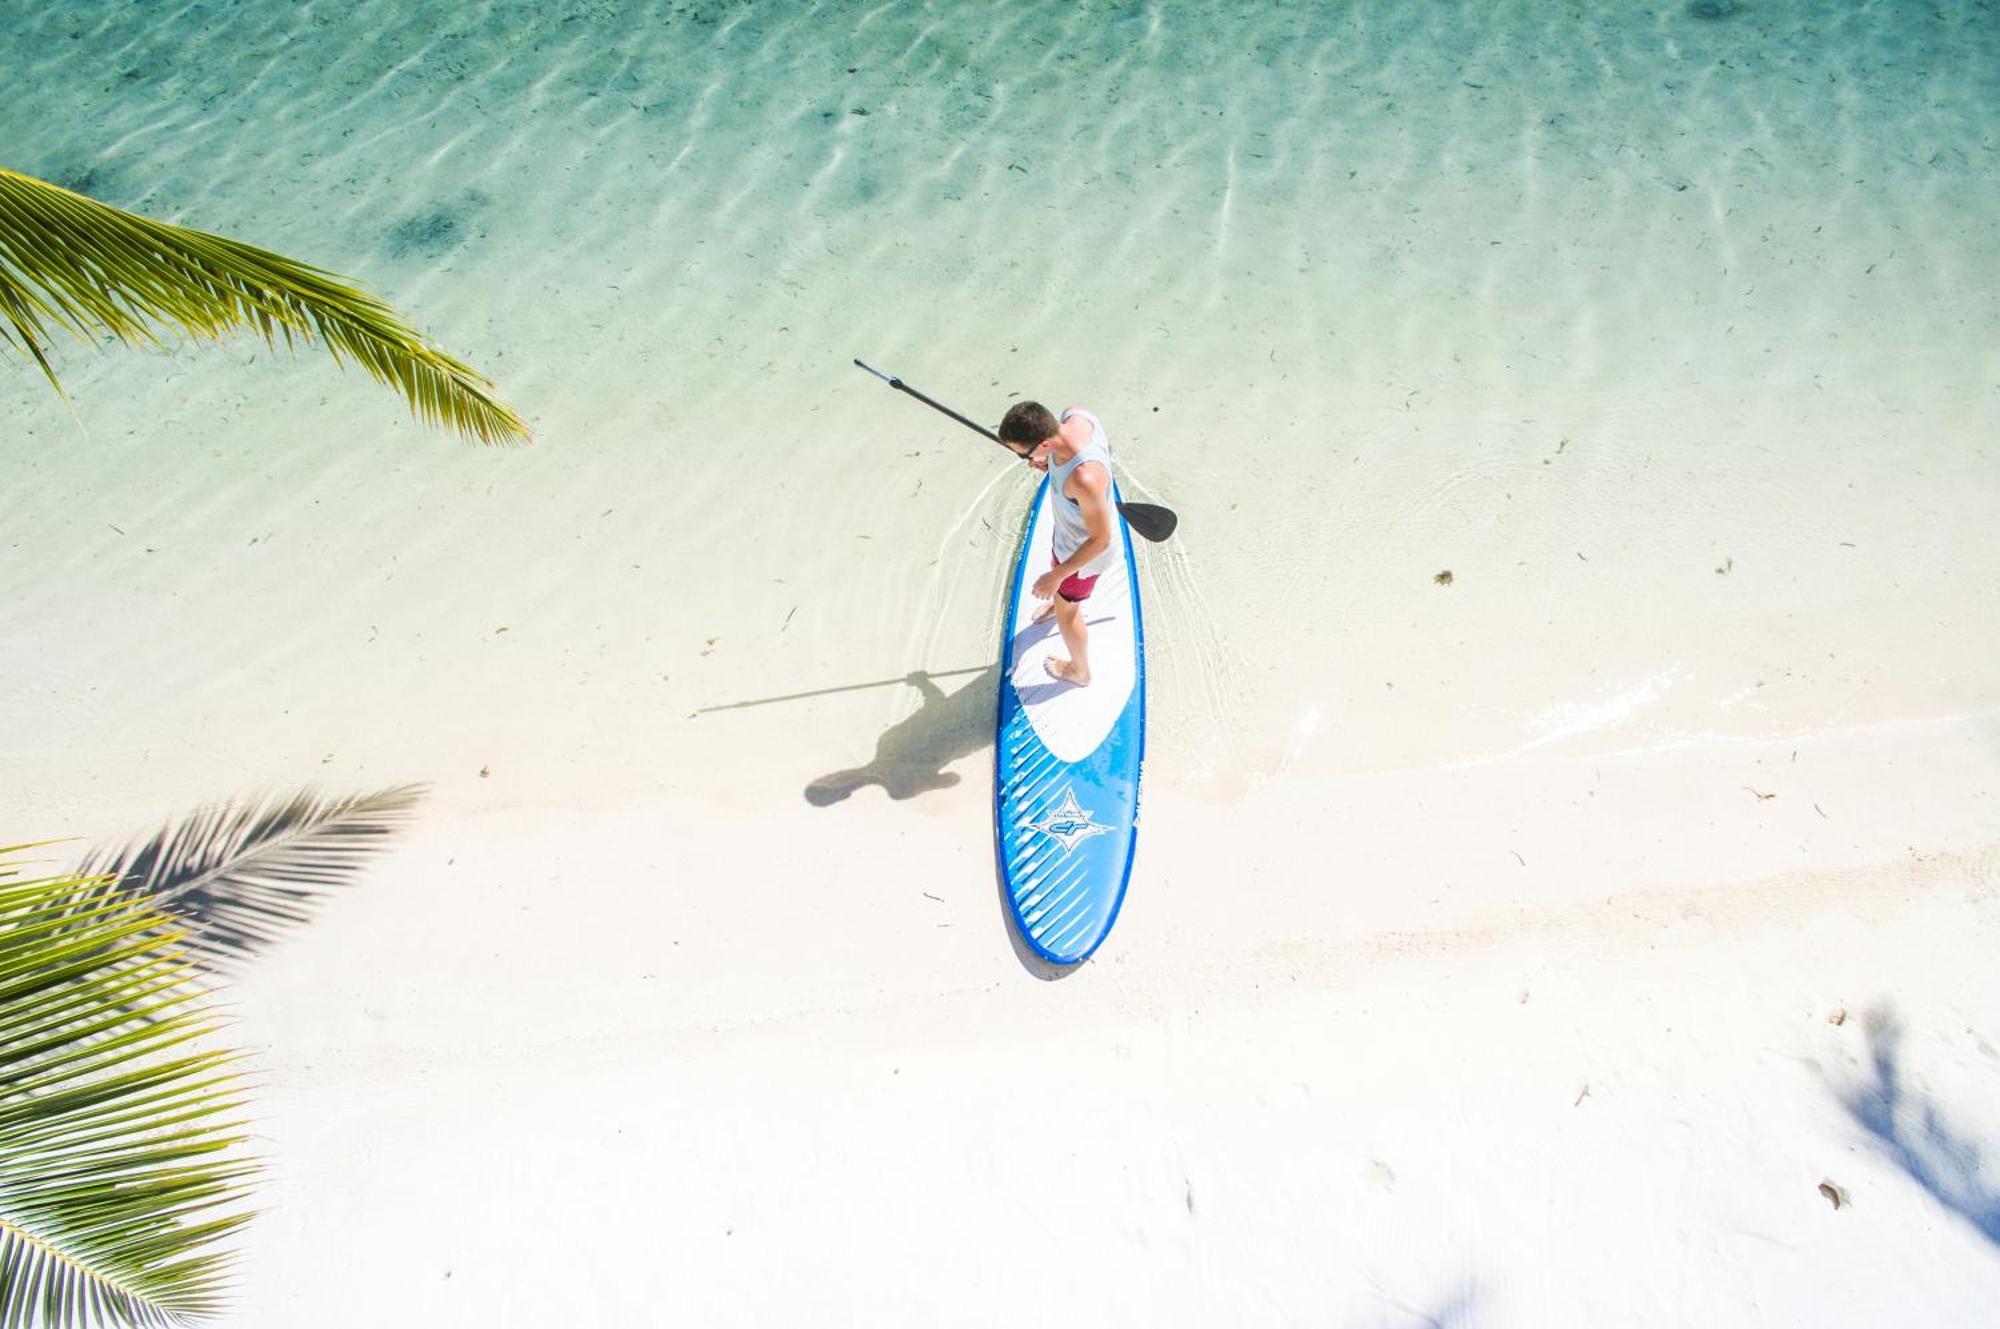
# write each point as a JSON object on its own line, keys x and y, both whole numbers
{"x": 1712, "y": 11}
{"x": 426, "y": 235}
{"x": 98, "y": 182}
{"x": 106, "y": 182}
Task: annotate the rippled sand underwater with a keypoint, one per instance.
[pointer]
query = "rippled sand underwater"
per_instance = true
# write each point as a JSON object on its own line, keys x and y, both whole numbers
{"x": 1669, "y": 330}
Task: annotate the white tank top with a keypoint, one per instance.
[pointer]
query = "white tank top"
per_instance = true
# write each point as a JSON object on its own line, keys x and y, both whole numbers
{"x": 1070, "y": 532}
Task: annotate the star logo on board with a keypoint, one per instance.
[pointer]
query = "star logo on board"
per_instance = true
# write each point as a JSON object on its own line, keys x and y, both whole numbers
{"x": 1070, "y": 822}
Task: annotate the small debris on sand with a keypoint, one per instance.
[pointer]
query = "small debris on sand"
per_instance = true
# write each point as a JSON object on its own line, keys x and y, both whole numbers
{"x": 485, "y": 772}
{"x": 1837, "y": 1016}
{"x": 1835, "y": 1196}
{"x": 1443, "y": 578}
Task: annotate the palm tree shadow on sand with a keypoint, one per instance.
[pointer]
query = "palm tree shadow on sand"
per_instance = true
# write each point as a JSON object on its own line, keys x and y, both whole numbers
{"x": 1916, "y": 1135}
{"x": 1448, "y": 1312}
{"x": 240, "y": 876}
{"x": 911, "y": 754}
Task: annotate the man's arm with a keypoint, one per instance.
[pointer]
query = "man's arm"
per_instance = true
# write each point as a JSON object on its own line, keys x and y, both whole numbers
{"x": 1090, "y": 485}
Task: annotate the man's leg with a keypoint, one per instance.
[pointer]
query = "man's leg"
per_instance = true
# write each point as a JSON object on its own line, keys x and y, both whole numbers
{"x": 1069, "y": 618}
{"x": 1042, "y": 614}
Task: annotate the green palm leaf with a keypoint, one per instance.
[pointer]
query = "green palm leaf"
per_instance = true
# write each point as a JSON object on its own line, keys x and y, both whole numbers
{"x": 238, "y": 876}
{"x": 71, "y": 263}
{"x": 118, "y": 1163}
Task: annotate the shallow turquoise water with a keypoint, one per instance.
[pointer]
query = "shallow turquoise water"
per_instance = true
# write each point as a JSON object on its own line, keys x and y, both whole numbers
{"x": 1582, "y": 304}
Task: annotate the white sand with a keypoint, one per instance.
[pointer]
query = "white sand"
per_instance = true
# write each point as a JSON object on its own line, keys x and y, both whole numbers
{"x": 1674, "y": 342}
{"x": 1415, "y": 1072}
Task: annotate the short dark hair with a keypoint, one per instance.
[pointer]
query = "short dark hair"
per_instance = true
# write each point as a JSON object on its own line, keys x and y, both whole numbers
{"x": 1027, "y": 423}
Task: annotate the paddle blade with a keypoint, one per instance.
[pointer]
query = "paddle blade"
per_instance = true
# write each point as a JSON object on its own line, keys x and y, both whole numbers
{"x": 1150, "y": 520}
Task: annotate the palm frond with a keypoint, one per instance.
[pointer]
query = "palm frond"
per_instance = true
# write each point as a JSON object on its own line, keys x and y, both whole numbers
{"x": 119, "y": 1163}
{"x": 71, "y": 263}
{"x": 238, "y": 876}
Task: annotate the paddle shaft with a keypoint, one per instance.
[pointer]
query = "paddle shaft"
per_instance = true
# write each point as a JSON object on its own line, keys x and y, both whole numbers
{"x": 933, "y": 403}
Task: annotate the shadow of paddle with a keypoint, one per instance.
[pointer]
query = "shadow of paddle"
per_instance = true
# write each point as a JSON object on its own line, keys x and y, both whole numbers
{"x": 911, "y": 754}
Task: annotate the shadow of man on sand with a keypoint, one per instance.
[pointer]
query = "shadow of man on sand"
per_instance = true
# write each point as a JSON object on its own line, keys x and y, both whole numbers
{"x": 911, "y": 754}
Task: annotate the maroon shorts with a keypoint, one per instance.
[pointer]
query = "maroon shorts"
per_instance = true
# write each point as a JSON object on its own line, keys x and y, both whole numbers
{"x": 1075, "y": 589}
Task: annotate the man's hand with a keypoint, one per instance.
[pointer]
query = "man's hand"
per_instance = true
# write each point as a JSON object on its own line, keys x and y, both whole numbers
{"x": 1047, "y": 584}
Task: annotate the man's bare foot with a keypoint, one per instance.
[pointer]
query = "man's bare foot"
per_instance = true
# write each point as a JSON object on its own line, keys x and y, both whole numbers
{"x": 1066, "y": 672}
{"x": 1045, "y": 613}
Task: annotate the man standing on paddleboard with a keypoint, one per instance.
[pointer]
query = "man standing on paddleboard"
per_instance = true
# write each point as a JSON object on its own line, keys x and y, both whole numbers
{"x": 1076, "y": 454}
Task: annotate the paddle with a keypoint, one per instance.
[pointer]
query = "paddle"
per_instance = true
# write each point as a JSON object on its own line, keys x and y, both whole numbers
{"x": 1149, "y": 519}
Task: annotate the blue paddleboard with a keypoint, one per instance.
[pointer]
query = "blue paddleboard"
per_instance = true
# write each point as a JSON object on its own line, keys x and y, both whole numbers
{"x": 1066, "y": 759}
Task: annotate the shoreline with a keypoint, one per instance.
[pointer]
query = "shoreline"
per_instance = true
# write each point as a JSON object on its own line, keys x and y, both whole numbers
{"x": 793, "y": 897}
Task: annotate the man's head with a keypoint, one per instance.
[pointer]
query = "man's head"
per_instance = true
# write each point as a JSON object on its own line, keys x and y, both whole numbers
{"x": 1028, "y": 425}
